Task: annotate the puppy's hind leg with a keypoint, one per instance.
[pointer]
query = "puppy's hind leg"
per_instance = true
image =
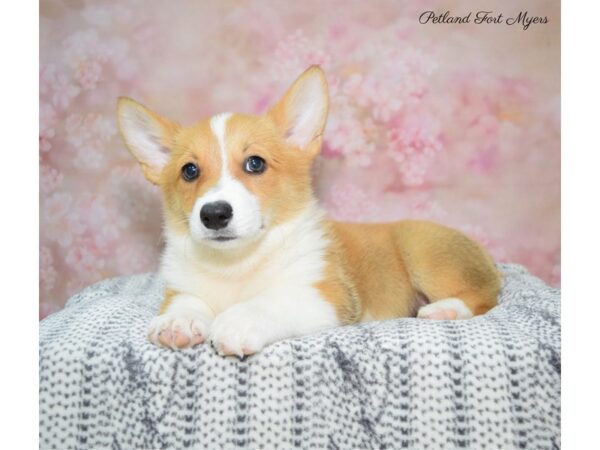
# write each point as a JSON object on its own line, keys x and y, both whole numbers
{"x": 454, "y": 272}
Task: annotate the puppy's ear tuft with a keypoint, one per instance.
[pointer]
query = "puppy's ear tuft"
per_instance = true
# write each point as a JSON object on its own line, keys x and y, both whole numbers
{"x": 301, "y": 114}
{"x": 147, "y": 135}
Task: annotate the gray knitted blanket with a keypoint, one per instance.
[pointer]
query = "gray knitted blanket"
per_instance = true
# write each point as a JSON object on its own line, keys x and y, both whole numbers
{"x": 489, "y": 382}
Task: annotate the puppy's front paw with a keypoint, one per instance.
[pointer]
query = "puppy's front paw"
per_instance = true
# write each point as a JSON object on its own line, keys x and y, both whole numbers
{"x": 241, "y": 330}
{"x": 178, "y": 330}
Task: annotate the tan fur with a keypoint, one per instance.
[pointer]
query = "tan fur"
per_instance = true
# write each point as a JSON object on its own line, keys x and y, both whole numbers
{"x": 286, "y": 189}
{"x": 283, "y": 193}
{"x": 338, "y": 285}
{"x": 391, "y": 265}
{"x": 376, "y": 271}
{"x": 169, "y": 294}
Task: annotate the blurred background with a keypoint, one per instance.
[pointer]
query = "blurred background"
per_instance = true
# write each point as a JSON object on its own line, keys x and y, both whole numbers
{"x": 459, "y": 124}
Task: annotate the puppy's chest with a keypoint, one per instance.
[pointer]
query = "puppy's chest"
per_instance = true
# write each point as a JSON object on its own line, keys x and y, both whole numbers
{"x": 218, "y": 292}
{"x": 221, "y": 290}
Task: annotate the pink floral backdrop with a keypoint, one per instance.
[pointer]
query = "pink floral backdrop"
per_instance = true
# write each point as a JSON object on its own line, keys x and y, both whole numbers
{"x": 455, "y": 123}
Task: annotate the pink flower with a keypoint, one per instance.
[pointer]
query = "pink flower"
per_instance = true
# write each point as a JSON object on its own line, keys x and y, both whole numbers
{"x": 56, "y": 206}
{"x": 396, "y": 78}
{"x": 349, "y": 135}
{"x": 44, "y": 140}
{"x": 294, "y": 54}
{"x": 57, "y": 86}
{"x": 85, "y": 45}
{"x": 60, "y": 220}
{"x": 47, "y": 272}
{"x": 84, "y": 130}
{"x": 90, "y": 135}
{"x": 345, "y": 201}
{"x": 47, "y": 78}
{"x": 136, "y": 199}
{"x": 484, "y": 160}
{"x": 414, "y": 144}
{"x": 137, "y": 257}
{"x": 368, "y": 91}
{"x": 84, "y": 257}
{"x": 112, "y": 222}
{"x": 47, "y": 124}
{"x": 63, "y": 92}
{"x": 106, "y": 15}
{"x": 88, "y": 74}
{"x": 50, "y": 179}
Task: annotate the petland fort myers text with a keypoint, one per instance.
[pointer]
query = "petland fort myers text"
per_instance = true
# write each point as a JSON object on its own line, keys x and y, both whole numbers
{"x": 524, "y": 19}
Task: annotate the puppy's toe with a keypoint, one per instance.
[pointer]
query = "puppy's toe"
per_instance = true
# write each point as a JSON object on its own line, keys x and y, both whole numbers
{"x": 197, "y": 339}
{"x": 165, "y": 337}
{"x": 177, "y": 331}
{"x": 240, "y": 331}
{"x": 181, "y": 340}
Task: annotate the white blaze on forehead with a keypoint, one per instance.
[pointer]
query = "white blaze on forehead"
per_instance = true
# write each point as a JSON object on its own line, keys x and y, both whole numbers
{"x": 217, "y": 126}
{"x": 247, "y": 218}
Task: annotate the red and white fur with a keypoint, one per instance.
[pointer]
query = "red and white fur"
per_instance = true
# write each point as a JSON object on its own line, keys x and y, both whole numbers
{"x": 271, "y": 266}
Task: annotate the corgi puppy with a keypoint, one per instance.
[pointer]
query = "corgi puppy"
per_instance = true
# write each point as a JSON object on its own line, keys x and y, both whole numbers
{"x": 250, "y": 257}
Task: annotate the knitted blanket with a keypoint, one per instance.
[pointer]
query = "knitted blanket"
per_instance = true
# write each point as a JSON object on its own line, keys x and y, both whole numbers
{"x": 489, "y": 382}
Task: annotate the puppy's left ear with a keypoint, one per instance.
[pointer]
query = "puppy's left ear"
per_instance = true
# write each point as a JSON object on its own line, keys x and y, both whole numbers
{"x": 301, "y": 114}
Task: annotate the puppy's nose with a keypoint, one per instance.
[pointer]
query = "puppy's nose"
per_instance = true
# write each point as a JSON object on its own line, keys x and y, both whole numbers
{"x": 216, "y": 215}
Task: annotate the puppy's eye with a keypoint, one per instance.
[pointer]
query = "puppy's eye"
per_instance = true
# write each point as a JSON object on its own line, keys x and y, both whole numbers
{"x": 190, "y": 172}
{"x": 255, "y": 165}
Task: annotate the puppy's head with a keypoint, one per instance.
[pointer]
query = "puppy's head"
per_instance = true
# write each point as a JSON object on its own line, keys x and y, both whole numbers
{"x": 228, "y": 180}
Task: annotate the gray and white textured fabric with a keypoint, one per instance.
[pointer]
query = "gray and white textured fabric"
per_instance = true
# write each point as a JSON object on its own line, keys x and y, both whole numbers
{"x": 489, "y": 382}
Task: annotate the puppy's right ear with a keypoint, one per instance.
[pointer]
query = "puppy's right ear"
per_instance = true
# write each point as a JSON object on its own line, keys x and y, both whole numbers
{"x": 147, "y": 135}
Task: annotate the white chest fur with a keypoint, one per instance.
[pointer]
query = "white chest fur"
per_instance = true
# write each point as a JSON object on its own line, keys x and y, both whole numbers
{"x": 291, "y": 256}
